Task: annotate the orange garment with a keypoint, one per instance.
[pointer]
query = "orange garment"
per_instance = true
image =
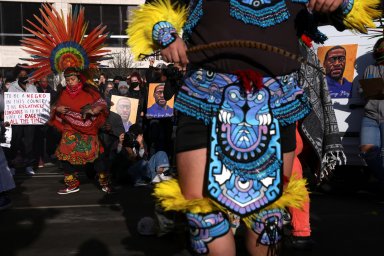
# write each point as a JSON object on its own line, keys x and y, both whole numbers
{"x": 300, "y": 217}
{"x": 79, "y": 143}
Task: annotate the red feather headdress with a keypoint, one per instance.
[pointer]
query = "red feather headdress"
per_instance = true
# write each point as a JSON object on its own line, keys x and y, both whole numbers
{"x": 58, "y": 45}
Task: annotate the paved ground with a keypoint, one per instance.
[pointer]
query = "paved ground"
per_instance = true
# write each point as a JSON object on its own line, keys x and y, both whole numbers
{"x": 345, "y": 221}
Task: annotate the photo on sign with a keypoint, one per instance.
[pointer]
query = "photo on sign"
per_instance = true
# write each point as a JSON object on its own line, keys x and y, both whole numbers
{"x": 158, "y": 107}
{"x": 126, "y": 108}
{"x": 339, "y": 65}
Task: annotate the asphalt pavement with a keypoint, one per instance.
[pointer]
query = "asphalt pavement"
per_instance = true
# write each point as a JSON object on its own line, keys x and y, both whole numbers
{"x": 346, "y": 219}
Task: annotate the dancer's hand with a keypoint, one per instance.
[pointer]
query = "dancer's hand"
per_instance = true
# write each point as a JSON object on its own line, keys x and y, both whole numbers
{"x": 324, "y": 5}
{"x": 121, "y": 139}
{"x": 96, "y": 110}
{"x": 176, "y": 52}
{"x": 62, "y": 109}
{"x": 140, "y": 140}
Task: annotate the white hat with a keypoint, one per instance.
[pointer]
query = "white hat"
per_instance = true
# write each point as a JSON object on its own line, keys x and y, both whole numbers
{"x": 121, "y": 84}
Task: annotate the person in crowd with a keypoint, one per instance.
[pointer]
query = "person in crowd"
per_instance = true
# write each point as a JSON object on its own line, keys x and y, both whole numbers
{"x": 229, "y": 102}
{"x": 108, "y": 92}
{"x": 2, "y": 79}
{"x": 7, "y": 182}
{"x": 323, "y": 149}
{"x": 160, "y": 128}
{"x": 160, "y": 107}
{"x": 116, "y": 81}
{"x": 47, "y": 138}
{"x": 122, "y": 89}
{"x": 109, "y": 136}
{"x": 372, "y": 127}
{"x": 137, "y": 90}
{"x": 131, "y": 154}
{"x": 102, "y": 82}
{"x": 23, "y": 136}
{"x": 334, "y": 63}
{"x": 150, "y": 70}
{"x": 7, "y": 84}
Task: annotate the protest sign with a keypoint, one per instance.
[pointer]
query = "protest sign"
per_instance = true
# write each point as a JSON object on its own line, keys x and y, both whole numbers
{"x": 126, "y": 108}
{"x": 158, "y": 107}
{"x": 23, "y": 108}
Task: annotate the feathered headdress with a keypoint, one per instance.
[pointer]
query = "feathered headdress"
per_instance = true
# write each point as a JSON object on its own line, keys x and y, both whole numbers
{"x": 58, "y": 45}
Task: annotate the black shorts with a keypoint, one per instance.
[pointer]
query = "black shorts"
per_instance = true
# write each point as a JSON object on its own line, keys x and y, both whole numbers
{"x": 192, "y": 134}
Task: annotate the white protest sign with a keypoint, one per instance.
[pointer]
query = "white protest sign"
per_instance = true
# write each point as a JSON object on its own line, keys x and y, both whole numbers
{"x": 21, "y": 108}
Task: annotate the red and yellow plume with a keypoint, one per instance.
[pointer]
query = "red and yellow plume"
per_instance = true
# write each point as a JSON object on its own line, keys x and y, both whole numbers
{"x": 58, "y": 45}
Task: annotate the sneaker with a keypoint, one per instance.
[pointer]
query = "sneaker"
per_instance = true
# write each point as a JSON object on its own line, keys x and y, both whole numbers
{"x": 49, "y": 164}
{"x": 29, "y": 170}
{"x": 108, "y": 190}
{"x": 5, "y": 202}
{"x": 165, "y": 177}
{"x": 41, "y": 163}
{"x": 68, "y": 190}
{"x": 140, "y": 184}
{"x": 156, "y": 179}
{"x": 302, "y": 242}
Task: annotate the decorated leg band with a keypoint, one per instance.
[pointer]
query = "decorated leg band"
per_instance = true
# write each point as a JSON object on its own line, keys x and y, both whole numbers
{"x": 204, "y": 228}
{"x": 294, "y": 195}
{"x": 169, "y": 196}
{"x": 71, "y": 180}
{"x": 103, "y": 178}
{"x": 268, "y": 225}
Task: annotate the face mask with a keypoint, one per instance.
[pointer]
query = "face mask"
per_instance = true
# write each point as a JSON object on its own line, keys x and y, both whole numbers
{"x": 134, "y": 84}
{"x": 22, "y": 81}
{"x": 44, "y": 85}
{"x": 123, "y": 91}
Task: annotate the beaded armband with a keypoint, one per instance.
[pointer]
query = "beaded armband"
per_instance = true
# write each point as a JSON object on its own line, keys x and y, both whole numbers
{"x": 154, "y": 25}
{"x": 163, "y": 33}
{"x": 347, "y": 6}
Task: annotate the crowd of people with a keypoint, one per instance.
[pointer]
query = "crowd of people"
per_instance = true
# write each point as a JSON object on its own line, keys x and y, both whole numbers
{"x": 128, "y": 152}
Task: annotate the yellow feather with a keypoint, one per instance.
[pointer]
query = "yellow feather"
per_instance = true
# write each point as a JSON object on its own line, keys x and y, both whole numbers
{"x": 140, "y": 26}
{"x": 294, "y": 195}
{"x": 171, "y": 199}
{"x": 362, "y": 15}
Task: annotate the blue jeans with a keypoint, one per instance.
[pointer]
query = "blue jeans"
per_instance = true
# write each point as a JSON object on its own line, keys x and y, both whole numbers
{"x": 144, "y": 170}
{"x": 372, "y": 133}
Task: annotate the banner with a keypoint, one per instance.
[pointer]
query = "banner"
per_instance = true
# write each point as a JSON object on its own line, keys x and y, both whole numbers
{"x": 22, "y": 108}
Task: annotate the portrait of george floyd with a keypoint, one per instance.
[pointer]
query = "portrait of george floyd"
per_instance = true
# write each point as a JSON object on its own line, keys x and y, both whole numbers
{"x": 158, "y": 107}
{"x": 338, "y": 62}
{"x": 126, "y": 108}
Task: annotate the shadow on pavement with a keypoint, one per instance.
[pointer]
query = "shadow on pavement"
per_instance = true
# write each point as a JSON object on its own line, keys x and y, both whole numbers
{"x": 93, "y": 247}
{"x": 21, "y": 227}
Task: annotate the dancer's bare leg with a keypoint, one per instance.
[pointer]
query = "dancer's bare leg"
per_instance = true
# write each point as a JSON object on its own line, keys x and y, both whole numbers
{"x": 191, "y": 170}
{"x": 251, "y": 237}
